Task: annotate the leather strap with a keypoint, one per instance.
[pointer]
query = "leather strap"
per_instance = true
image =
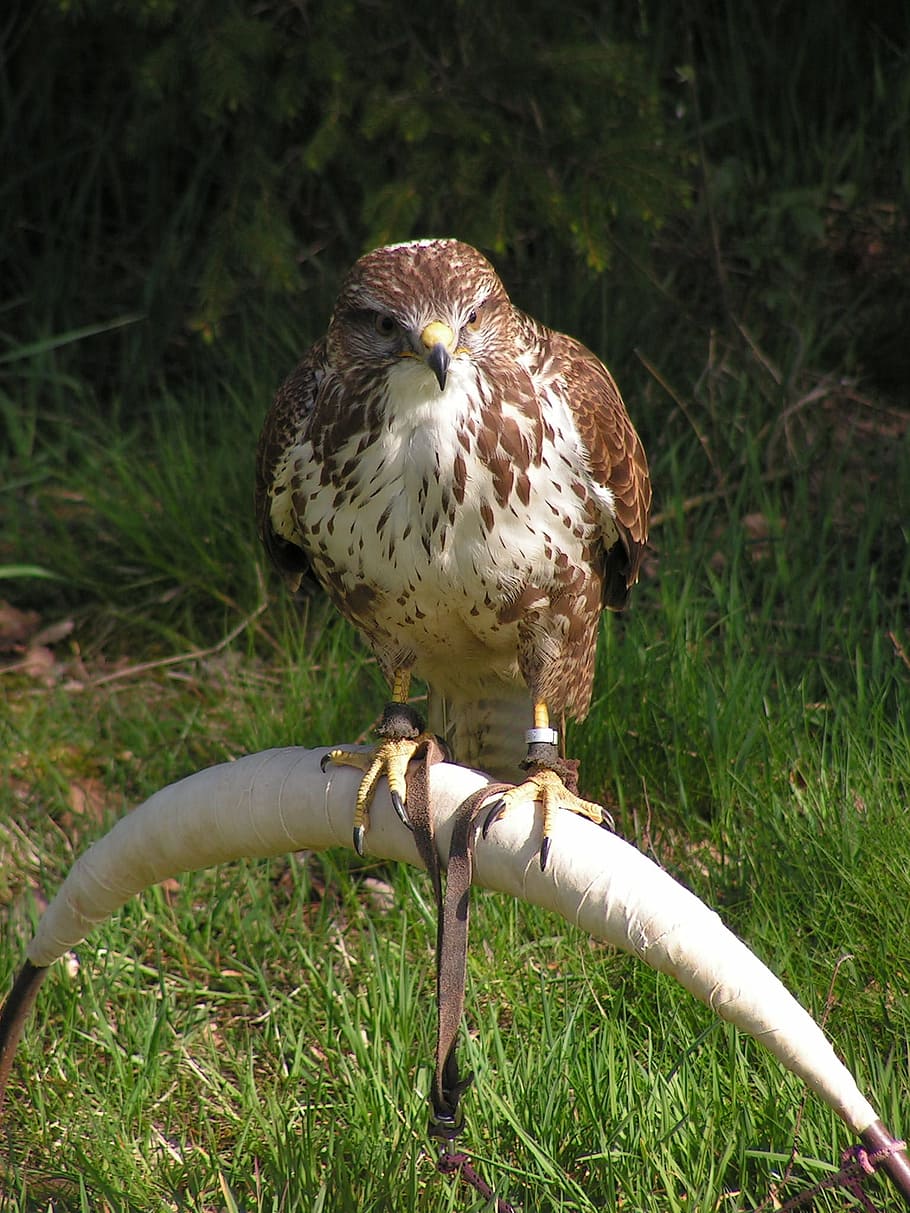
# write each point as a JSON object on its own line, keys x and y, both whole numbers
{"x": 452, "y": 915}
{"x": 13, "y": 1015}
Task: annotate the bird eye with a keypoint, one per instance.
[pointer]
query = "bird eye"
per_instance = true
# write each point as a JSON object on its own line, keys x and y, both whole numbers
{"x": 385, "y": 324}
{"x": 473, "y": 321}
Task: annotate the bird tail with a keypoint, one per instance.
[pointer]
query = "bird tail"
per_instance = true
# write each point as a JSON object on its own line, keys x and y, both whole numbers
{"x": 486, "y": 734}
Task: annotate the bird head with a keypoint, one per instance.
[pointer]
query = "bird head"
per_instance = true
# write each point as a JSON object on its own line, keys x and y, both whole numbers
{"x": 425, "y": 300}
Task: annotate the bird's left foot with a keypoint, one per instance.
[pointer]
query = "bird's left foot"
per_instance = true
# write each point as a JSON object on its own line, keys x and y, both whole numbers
{"x": 403, "y": 735}
{"x": 546, "y": 786}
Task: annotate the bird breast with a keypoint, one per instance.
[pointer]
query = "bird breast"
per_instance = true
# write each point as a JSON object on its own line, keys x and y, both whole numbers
{"x": 456, "y": 511}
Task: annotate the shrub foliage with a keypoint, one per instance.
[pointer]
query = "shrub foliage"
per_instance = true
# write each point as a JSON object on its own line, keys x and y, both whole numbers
{"x": 178, "y": 157}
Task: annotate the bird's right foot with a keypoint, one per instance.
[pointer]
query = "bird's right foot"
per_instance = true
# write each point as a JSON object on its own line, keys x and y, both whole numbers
{"x": 402, "y": 732}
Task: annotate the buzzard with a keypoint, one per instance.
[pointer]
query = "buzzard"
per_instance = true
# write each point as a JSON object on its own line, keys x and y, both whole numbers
{"x": 467, "y": 486}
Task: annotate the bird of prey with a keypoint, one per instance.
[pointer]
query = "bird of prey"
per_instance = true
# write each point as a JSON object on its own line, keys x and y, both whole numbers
{"x": 467, "y": 486}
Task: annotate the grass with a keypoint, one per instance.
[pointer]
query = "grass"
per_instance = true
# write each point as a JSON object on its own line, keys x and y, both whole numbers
{"x": 260, "y": 1037}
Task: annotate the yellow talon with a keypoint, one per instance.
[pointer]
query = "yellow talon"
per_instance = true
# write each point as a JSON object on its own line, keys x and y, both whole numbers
{"x": 391, "y": 759}
{"x": 402, "y": 732}
{"x": 547, "y": 789}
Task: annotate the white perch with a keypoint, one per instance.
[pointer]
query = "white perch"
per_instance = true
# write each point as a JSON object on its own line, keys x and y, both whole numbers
{"x": 279, "y": 801}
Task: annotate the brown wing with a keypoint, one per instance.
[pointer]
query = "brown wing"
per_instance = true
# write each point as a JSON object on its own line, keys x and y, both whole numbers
{"x": 616, "y": 459}
{"x": 285, "y": 426}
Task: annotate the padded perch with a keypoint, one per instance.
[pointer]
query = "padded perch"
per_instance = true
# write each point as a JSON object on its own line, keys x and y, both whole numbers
{"x": 278, "y": 801}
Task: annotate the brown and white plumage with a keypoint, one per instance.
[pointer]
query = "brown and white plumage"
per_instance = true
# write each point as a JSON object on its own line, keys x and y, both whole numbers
{"x": 465, "y": 483}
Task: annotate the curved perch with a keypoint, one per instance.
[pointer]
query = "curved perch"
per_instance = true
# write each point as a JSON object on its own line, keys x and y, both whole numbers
{"x": 279, "y": 801}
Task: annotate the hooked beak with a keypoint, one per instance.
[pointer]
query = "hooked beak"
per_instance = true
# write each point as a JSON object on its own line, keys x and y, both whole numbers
{"x": 438, "y": 341}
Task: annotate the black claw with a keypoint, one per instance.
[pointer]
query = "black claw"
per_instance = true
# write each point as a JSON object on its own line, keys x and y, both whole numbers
{"x": 324, "y": 761}
{"x": 606, "y": 822}
{"x": 398, "y": 805}
{"x": 358, "y": 836}
{"x": 495, "y": 813}
{"x": 545, "y": 851}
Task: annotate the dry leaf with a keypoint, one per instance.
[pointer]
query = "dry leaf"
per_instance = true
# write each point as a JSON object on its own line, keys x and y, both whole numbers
{"x": 54, "y": 632}
{"x": 39, "y": 663}
{"x": 88, "y": 798}
{"x": 16, "y": 627}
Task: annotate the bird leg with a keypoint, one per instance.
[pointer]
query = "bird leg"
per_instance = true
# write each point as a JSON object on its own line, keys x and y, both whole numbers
{"x": 403, "y": 733}
{"x": 546, "y": 784}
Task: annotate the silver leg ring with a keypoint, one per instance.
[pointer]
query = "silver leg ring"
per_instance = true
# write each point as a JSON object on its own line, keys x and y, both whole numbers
{"x": 548, "y": 735}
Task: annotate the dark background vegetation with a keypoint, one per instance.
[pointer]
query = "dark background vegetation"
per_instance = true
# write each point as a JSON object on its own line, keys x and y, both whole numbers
{"x": 201, "y": 165}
